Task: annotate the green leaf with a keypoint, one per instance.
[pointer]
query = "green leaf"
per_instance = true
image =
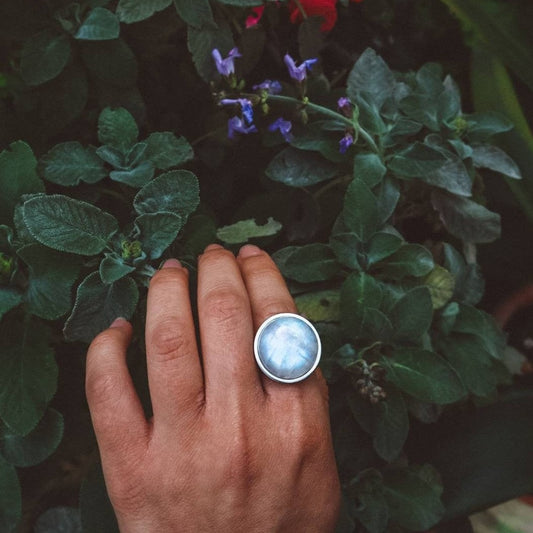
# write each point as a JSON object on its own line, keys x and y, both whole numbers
{"x": 466, "y": 219}
{"x": 381, "y": 246}
{"x": 70, "y": 163}
{"x": 97, "y": 515}
{"x": 413, "y": 499}
{"x": 244, "y": 230}
{"x": 311, "y": 262}
{"x": 387, "y": 195}
{"x": 10, "y": 497}
{"x": 347, "y": 248}
{"x": 69, "y": 225}
{"x": 112, "y": 268}
{"x": 176, "y": 192}
{"x": 409, "y": 260}
{"x": 100, "y": 25}
{"x": 372, "y": 509}
{"x": 51, "y": 276}
{"x": 59, "y": 520}
{"x": 359, "y": 293}
{"x": 483, "y": 126}
{"x": 424, "y": 375}
{"x": 98, "y": 304}
{"x": 321, "y": 306}
{"x": 111, "y": 62}
{"x": 157, "y": 232}
{"x": 165, "y": 150}
{"x": 242, "y": 3}
{"x": 411, "y": 315}
{"x": 129, "y": 11}
{"x": 372, "y": 76}
{"x": 117, "y": 128}
{"x": 18, "y": 176}
{"x": 488, "y": 156}
{"x": 296, "y": 168}
{"x": 37, "y": 445}
{"x": 368, "y": 168}
{"x": 467, "y": 354}
{"x": 417, "y": 161}
{"x": 202, "y": 41}
{"x": 44, "y": 56}
{"x": 29, "y": 374}
{"x": 113, "y": 156}
{"x": 360, "y": 212}
{"x": 441, "y": 285}
{"x": 390, "y": 425}
{"x": 469, "y": 283}
{"x": 195, "y": 13}
{"x": 9, "y": 299}
{"x": 136, "y": 177}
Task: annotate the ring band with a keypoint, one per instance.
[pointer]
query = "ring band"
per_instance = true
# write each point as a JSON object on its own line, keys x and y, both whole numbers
{"x": 287, "y": 348}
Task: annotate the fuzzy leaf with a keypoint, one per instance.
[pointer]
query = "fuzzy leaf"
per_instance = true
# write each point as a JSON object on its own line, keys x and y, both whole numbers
{"x": 9, "y": 299}
{"x": 117, "y": 128}
{"x": 98, "y": 304}
{"x": 18, "y": 176}
{"x": 381, "y": 246}
{"x": 51, "y": 276}
{"x": 129, "y": 11}
{"x": 196, "y": 13}
{"x": 69, "y": 225}
{"x": 311, "y": 262}
{"x": 244, "y": 230}
{"x": 157, "y": 232}
{"x": 59, "y": 520}
{"x": 296, "y": 168}
{"x": 488, "y": 156}
{"x": 441, "y": 285}
{"x": 321, "y": 306}
{"x": 360, "y": 212}
{"x": 37, "y": 445}
{"x": 113, "y": 268}
{"x": 165, "y": 150}
{"x": 409, "y": 260}
{"x": 70, "y": 163}
{"x": 175, "y": 192}
{"x": 44, "y": 56}
{"x": 368, "y": 168}
{"x": 136, "y": 177}
{"x": 100, "y": 25}
{"x": 29, "y": 374}
{"x": 411, "y": 315}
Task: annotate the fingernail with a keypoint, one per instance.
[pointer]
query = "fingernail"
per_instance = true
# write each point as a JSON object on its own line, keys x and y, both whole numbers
{"x": 213, "y": 247}
{"x": 171, "y": 263}
{"x": 118, "y": 322}
{"x": 249, "y": 250}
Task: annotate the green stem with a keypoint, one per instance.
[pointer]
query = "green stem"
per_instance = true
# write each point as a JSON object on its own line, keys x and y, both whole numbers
{"x": 301, "y": 8}
{"x": 329, "y": 113}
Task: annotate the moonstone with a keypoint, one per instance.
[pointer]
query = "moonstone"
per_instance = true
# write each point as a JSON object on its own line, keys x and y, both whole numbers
{"x": 287, "y": 347}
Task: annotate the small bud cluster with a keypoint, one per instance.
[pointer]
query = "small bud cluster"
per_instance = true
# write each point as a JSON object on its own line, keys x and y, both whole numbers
{"x": 6, "y": 267}
{"x": 366, "y": 381}
{"x": 131, "y": 250}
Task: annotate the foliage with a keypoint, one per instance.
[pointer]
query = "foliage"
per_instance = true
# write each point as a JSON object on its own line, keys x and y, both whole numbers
{"x": 364, "y": 194}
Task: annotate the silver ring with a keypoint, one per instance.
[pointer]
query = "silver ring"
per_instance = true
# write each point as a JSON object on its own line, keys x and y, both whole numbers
{"x": 287, "y": 348}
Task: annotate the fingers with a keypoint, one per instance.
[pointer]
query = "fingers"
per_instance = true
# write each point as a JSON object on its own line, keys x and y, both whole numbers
{"x": 174, "y": 369}
{"x": 226, "y": 329}
{"x": 269, "y": 295}
{"x": 116, "y": 412}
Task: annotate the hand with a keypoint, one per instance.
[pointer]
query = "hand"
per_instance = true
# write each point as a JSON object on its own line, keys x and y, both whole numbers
{"x": 227, "y": 448}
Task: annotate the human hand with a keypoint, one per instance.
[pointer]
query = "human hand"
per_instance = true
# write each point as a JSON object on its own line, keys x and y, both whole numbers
{"x": 227, "y": 449}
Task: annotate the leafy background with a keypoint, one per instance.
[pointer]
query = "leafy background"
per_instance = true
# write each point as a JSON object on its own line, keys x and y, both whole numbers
{"x": 116, "y": 156}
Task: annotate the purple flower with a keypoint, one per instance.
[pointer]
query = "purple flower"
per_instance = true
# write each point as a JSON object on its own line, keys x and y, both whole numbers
{"x": 284, "y": 127}
{"x": 270, "y": 86}
{"x": 298, "y": 73}
{"x": 343, "y": 102}
{"x": 246, "y": 107}
{"x": 236, "y": 124}
{"x": 345, "y": 142}
{"x": 225, "y": 66}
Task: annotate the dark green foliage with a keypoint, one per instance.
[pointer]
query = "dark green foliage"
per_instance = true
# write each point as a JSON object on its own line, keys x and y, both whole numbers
{"x": 113, "y": 97}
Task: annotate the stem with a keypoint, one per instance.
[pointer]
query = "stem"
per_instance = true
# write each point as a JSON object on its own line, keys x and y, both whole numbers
{"x": 329, "y": 113}
{"x": 300, "y": 8}
{"x": 330, "y": 185}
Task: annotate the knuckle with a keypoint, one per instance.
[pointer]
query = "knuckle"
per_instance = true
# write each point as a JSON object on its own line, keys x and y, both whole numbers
{"x": 224, "y": 305}
{"x": 273, "y": 307}
{"x": 170, "y": 340}
{"x": 126, "y": 493}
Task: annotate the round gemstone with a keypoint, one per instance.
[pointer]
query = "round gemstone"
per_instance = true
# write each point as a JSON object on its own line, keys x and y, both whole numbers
{"x": 287, "y": 347}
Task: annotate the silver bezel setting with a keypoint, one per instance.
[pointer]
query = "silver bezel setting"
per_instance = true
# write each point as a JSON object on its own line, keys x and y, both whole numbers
{"x": 258, "y": 358}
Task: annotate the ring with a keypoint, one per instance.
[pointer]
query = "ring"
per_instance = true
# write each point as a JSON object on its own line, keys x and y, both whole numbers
{"x": 287, "y": 347}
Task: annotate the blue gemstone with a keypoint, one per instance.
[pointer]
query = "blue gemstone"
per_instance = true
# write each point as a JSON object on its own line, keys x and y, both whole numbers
{"x": 288, "y": 347}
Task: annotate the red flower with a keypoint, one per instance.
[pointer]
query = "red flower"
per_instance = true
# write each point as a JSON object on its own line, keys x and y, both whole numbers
{"x": 315, "y": 8}
{"x": 255, "y": 17}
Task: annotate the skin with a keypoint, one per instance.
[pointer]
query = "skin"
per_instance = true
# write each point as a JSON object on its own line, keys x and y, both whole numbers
{"x": 227, "y": 449}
